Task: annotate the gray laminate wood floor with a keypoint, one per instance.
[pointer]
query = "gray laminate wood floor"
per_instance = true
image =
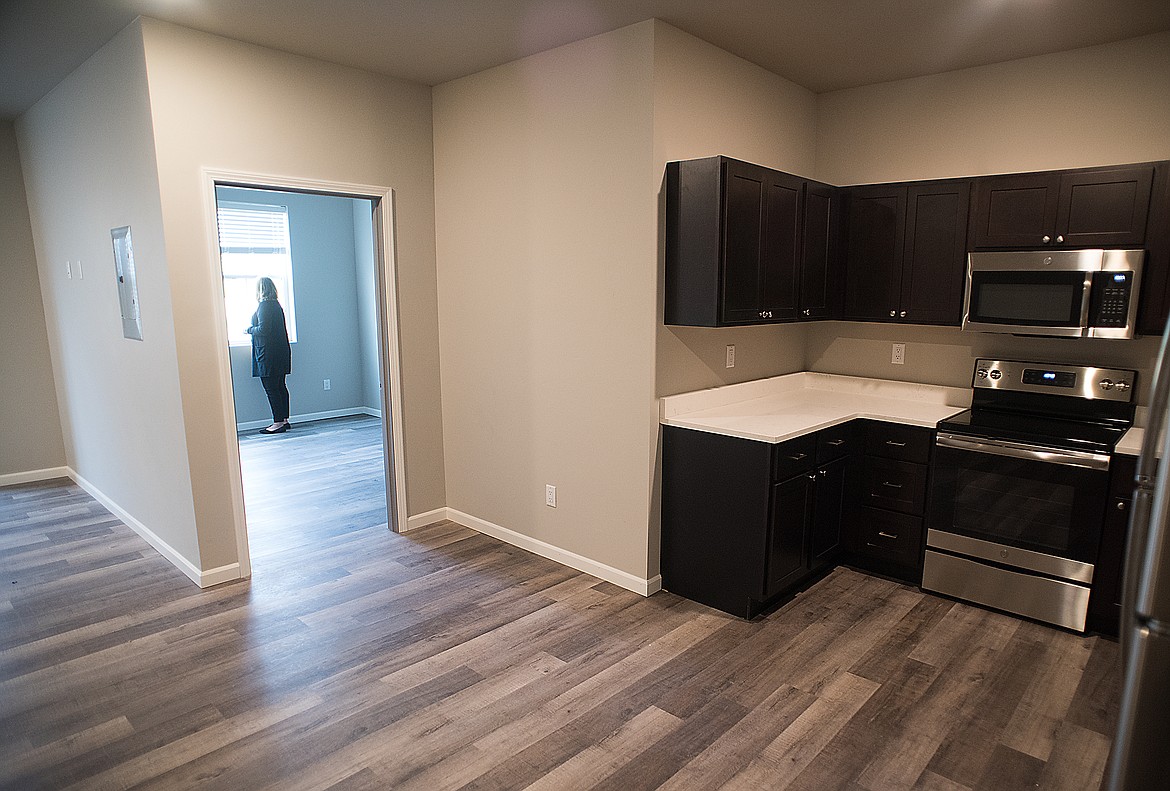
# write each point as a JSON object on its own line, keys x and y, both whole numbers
{"x": 361, "y": 659}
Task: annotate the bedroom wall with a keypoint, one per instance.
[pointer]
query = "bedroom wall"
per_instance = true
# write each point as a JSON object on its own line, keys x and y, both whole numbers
{"x": 31, "y": 444}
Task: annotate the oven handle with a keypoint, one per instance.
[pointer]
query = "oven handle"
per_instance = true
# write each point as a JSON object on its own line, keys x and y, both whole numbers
{"x": 1018, "y": 450}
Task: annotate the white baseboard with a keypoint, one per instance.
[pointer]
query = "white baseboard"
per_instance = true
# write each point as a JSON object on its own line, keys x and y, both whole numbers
{"x": 424, "y": 519}
{"x": 309, "y": 416}
{"x": 630, "y": 582}
{"x": 29, "y": 476}
{"x": 204, "y": 579}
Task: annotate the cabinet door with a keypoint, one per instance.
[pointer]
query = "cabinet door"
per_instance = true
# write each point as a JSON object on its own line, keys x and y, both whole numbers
{"x": 1109, "y": 570}
{"x": 819, "y": 275}
{"x": 934, "y": 267}
{"x": 828, "y": 512}
{"x": 787, "y": 532}
{"x": 743, "y": 228}
{"x": 761, "y": 227}
{"x": 1155, "y": 291}
{"x": 780, "y": 254}
{"x": 1014, "y": 211}
{"x": 873, "y": 281}
{"x": 1104, "y": 208}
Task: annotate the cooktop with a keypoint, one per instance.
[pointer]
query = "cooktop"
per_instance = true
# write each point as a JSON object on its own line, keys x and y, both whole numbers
{"x": 1072, "y": 407}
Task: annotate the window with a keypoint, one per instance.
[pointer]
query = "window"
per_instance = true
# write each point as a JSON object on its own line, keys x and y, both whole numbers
{"x": 253, "y": 243}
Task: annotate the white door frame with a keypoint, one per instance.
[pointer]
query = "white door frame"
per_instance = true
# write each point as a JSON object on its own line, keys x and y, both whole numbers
{"x": 385, "y": 233}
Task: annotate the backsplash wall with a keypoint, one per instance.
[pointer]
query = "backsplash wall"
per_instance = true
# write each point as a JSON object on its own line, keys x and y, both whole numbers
{"x": 946, "y": 355}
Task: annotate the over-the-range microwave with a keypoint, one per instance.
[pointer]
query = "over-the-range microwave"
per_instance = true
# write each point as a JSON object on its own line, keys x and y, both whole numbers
{"x": 1065, "y": 293}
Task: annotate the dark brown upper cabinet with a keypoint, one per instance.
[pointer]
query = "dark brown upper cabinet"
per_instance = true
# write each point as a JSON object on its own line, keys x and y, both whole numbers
{"x": 876, "y": 234}
{"x": 746, "y": 245}
{"x": 820, "y": 270}
{"x": 1099, "y": 207}
{"x": 906, "y": 252}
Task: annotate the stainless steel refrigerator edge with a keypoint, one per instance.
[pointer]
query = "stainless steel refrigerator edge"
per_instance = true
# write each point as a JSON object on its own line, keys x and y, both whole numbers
{"x": 1138, "y": 761}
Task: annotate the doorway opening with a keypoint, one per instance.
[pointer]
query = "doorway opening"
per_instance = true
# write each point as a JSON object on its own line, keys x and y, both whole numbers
{"x": 328, "y": 250}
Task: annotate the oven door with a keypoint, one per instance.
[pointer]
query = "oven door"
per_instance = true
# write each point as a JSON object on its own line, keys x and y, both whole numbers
{"x": 1032, "y": 302}
{"x": 1024, "y": 506}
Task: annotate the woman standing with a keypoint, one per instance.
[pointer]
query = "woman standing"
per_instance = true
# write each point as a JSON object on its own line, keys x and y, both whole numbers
{"x": 271, "y": 353}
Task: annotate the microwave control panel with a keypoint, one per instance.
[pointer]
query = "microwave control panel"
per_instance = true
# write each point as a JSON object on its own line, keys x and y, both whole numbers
{"x": 1109, "y": 305}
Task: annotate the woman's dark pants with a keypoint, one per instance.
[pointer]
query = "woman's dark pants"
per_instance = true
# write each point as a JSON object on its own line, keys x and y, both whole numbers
{"x": 277, "y": 394}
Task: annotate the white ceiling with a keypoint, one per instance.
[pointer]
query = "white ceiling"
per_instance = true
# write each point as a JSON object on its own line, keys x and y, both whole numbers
{"x": 820, "y": 44}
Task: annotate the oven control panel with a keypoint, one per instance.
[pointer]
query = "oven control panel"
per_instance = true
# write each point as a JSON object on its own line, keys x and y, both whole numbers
{"x": 1080, "y": 381}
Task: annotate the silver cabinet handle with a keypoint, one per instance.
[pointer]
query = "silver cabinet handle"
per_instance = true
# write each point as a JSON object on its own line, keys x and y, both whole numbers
{"x": 892, "y": 485}
{"x": 812, "y": 476}
{"x": 1121, "y": 505}
{"x": 895, "y": 444}
{"x": 893, "y": 313}
{"x": 836, "y": 443}
{"x": 799, "y": 456}
{"x": 1046, "y": 239}
{"x": 1060, "y": 240}
{"x": 884, "y": 534}
{"x": 808, "y": 311}
{"x": 902, "y": 314}
{"x": 822, "y": 472}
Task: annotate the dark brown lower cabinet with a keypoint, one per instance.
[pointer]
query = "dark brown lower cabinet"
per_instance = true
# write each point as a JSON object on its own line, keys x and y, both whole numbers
{"x": 1109, "y": 570}
{"x": 829, "y": 508}
{"x": 885, "y": 530}
{"x": 788, "y": 533}
{"x": 744, "y": 522}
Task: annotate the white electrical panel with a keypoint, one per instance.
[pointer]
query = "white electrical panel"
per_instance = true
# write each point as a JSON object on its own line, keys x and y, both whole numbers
{"x": 127, "y": 284}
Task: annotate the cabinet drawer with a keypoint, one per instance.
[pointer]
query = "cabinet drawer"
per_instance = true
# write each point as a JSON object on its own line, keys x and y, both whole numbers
{"x": 897, "y": 485}
{"x": 794, "y": 456}
{"x": 838, "y": 441}
{"x": 887, "y": 536}
{"x": 895, "y": 441}
{"x": 1121, "y": 475}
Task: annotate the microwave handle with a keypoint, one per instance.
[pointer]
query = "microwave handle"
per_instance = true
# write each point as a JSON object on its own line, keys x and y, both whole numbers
{"x": 1086, "y": 301}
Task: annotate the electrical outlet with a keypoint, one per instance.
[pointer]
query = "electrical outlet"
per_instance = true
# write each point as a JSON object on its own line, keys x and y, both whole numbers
{"x": 550, "y": 495}
{"x": 730, "y": 355}
{"x": 898, "y": 356}
{"x": 328, "y": 385}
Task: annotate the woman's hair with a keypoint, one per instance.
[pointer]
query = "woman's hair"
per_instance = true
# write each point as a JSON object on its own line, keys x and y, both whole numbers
{"x": 265, "y": 289}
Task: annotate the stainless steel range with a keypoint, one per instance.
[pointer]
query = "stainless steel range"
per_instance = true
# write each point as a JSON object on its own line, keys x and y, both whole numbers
{"x": 1019, "y": 485}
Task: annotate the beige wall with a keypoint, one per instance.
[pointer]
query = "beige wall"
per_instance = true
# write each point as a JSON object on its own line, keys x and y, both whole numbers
{"x": 946, "y": 355}
{"x": 1094, "y": 106}
{"x": 546, "y": 249}
{"x": 89, "y": 166}
{"x": 709, "y": 102}
{"x": 226, "y": 105}
{"x": 30, "y": 425}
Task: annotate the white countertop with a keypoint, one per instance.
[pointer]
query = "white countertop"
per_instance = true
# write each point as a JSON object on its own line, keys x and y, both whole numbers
{"x": 783, "y": 407}
{"x": 1131, "y": 442}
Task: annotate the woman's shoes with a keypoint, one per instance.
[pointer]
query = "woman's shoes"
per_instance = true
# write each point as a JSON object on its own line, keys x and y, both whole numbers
{"x": 283, "y": 427}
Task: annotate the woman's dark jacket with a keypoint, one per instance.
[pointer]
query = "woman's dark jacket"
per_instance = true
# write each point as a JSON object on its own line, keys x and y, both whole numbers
{"x": 271, "y": 353}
